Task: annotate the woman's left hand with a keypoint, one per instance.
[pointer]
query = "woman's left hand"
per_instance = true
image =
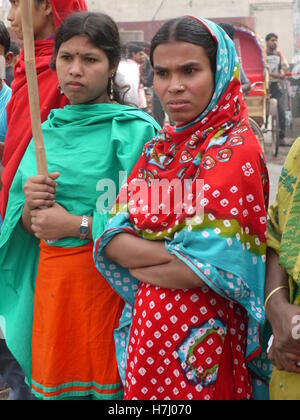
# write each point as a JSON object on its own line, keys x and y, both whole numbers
{"x": 52, "y": 223}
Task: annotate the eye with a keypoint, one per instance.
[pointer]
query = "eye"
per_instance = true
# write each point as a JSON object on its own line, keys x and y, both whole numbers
{"x": 66, "y": 57}
{"x": 90, "y": 60}
{"x": 161, "y": 73}
{"x": 189, "y": 70}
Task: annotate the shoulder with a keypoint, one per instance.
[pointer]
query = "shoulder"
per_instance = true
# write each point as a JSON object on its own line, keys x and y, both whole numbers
{"x": 140, "y": 117}
{"x": 292, "y": 163}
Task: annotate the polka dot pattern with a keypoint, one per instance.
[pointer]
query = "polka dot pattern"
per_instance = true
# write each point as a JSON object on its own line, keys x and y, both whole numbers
{"x": 180, "y": 342}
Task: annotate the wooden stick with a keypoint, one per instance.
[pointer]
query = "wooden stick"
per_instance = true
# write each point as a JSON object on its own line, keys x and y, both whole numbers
{"x": 33, "y": 92}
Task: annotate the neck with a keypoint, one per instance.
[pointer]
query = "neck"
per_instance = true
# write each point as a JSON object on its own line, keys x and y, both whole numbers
{"x": 45, "y": 32}
{"x": 1, "y": 84}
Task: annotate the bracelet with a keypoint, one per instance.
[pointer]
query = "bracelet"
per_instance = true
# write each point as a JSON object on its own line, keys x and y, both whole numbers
{"x": 273, "y": 293}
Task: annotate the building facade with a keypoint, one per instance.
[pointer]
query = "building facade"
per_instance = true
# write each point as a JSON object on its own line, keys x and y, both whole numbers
{"x": 139, "y": 19}
{"x": 263, "y": 16}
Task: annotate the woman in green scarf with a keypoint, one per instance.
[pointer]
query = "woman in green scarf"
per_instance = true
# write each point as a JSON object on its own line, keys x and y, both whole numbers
{"x": 58, "y": 312}
{"x": 283, "y": 281}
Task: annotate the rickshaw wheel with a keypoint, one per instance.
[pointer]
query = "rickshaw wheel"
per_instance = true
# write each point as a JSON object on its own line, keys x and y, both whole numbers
{"x": 275, "y": 134}
{"x": 258, "y": 133}
{"x": 275, "y": 126}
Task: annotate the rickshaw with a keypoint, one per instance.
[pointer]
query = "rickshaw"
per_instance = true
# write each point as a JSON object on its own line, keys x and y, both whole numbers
{"x": 263, "y": 111}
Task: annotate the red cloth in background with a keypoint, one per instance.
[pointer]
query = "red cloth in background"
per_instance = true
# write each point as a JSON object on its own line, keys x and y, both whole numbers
{"x": 19, "y": 132}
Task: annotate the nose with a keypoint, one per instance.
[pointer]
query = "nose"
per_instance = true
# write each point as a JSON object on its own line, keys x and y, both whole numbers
{"x": 76, "y": 68}
{"x": 10, "y": 16}
{"x": 175, "y": 85}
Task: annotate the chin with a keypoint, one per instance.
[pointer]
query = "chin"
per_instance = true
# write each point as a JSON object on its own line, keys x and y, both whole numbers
{"x": 182, "y": 120}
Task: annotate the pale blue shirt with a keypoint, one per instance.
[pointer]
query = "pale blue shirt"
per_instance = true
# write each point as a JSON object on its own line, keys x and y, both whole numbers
{"x": 5, "y": 95}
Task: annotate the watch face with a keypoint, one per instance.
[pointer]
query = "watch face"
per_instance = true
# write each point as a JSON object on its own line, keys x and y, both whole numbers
{"x": 83, "y": 230}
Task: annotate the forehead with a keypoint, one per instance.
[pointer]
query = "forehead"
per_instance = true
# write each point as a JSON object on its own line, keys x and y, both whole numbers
{"x": 178, "y": 53}
{"x": 80, "y": 44}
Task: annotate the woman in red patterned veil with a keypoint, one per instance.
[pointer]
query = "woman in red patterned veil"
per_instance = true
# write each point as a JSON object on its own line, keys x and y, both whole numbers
{"x": 190, "y": 262}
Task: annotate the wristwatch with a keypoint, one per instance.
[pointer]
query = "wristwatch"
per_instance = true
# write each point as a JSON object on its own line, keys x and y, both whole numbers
{"x": 84, "y": 228}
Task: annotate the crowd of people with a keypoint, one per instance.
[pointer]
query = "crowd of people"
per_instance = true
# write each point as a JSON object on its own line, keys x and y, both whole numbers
{"x": 147, "y": 264}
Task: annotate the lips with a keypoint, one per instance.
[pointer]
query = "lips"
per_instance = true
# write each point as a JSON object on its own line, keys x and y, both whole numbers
{"x": 177, "y": 102}
{"x": 178, "y": 105}
{"x": 75, "y": 84}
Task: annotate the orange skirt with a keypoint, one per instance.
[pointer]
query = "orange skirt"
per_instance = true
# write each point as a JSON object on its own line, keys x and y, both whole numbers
{"x": 75, "y": 314}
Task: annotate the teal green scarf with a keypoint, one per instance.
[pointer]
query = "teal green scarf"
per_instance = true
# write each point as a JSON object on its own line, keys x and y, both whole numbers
{"x": 86, "y": 144}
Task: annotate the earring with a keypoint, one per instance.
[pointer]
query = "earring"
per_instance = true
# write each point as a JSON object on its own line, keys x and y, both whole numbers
{"x": 61, "y": 91}
{"x": 112, "y": 95}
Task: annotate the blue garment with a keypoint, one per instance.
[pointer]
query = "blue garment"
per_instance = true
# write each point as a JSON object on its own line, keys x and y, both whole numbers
{"x": 244, "y": 78}
{"x": 5, "y": 95}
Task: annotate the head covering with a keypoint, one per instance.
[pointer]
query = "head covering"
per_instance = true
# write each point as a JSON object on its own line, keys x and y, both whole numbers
{"x": 61, "y": 9}
{"x": 226, "y": 243}
{"x": 19, "y": 131}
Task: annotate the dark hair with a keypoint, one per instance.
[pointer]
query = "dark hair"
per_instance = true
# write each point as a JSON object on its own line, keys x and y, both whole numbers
{"x": 15, "y": 48}
{"x": 134, "y": 48}
{"x": 103, "y": 33}
{"x": 228, "y": 28}
{"x": 271, "y": 35}
{"x": 186, "y": 29}
{"x": 4, "y": 37}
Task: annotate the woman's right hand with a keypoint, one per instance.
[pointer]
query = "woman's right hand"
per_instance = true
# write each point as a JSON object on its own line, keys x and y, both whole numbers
{"x": 40, "y": 191}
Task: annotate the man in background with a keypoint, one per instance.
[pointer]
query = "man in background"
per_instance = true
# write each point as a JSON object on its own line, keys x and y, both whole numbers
{"x": 246, "y": 85}
{"x": 136, "y": 54}
{"x": 14, "y": 56}
{"x": 5, "y": 91}
{"x": 277, "y": 67}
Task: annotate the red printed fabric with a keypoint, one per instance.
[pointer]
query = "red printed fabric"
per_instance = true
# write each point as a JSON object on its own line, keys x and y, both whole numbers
{"x": 186, "y": 346}
{"x": 19, "y": 132}
{"x": 195, "y": 344}
{"x": 222, "y": 151}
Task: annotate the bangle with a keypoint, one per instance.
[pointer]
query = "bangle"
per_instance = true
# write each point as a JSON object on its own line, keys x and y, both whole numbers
{"x": 273, "y": 293}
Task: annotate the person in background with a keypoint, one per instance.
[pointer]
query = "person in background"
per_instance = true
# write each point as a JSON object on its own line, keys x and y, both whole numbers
{"x": 277, "y": 67}
{"x": 5, "y": 91}
{"x": 246, "y": 85}
{"x": 15, "y": 51}
{"x": 11, "y": 374}
{"x": 128, "y": 74}
{"x": 137, "y": 55}
{"x": 47, "y": 16}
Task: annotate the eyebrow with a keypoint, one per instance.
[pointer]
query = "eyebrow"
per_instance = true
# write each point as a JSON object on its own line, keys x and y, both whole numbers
{"x": 87, "y": 54}
{"x": 187, "y": 64}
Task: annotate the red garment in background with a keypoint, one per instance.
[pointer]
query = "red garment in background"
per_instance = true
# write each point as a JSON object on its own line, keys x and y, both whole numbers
{"x": 19, "y": 132}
